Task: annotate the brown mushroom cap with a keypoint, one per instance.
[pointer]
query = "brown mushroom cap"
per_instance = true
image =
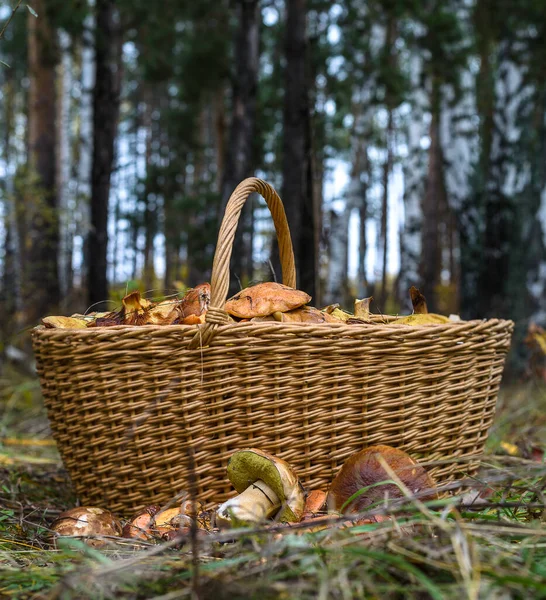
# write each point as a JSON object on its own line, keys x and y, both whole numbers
{"x": 306, "y": 314}
{"x": 139, "y": 526}
{"x": 87, "y": 521}
{"x": 363, "y": 469}
{"x": 264, "y": 299}
{"x": 195, "y": 302}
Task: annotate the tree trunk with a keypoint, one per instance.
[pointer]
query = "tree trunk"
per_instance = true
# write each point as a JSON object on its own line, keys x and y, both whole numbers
{"x": 220, "y": 136}
{"x": 383, "y": 232}
{"x": 297, "y": 188}
{"x": 64, "y": 171}
{"x": 150, "y": 205}
{"x": 10, "y": 290}
{"x": 106, "y": 98}
{"x": 415, "y": 173}
{"x": 84, "y": 141}
{"x": 240, "y": 161}
{"x": 41, "y": 294}
{"x": 431, "y": 256}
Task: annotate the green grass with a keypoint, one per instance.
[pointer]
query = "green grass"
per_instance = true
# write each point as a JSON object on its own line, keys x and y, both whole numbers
{"x": 493, "y": 548}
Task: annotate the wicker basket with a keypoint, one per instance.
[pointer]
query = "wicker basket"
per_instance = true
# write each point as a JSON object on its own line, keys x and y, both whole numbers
{"x": 132, "y": 408}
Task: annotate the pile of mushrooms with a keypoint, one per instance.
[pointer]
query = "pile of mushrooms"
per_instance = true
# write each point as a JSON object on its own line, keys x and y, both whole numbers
{"x": 268, "y": 491}
{"x": 261, "y": 302}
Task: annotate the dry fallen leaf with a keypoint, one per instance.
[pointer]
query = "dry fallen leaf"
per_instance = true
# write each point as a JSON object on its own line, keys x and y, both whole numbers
{"x": 64, "y": 323}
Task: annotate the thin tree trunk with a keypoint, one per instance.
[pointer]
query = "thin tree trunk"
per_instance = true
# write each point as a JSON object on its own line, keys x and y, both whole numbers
{"x": 41, "y": 293}
{"x": 106, "y": 98}
{"x": 389, "y": 50}
{"x": 150, "y": 208}
{"x": 431, "y": 256}
{"x": 239, "y": 153}
{"x": 297, "y": 188}
{"x": 64, "y": 171}
{"x": 220, "y": 136}
{"x": 82, "y": 194}
{"x": 10, "y": 291}
{"x": 383, "y": 234}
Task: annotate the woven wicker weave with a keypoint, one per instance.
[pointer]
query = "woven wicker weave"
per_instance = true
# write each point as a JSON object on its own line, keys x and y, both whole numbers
{"x": 127, "y": 403}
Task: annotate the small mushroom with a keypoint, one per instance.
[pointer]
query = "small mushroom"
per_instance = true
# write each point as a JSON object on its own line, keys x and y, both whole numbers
{"x": 195, "y": 302}
{"x": 314, "y": 503}
{"x": 139, "y": 526}
{"x": 152, "y": 522}
{"x": 176, "y": 517}
{"x": 362, "y": 308}
{"x": 363, "y": 469}
{"x": 265, "y": 483}
{"x": 264, "y": 299}
{"x": 86, "y": 521}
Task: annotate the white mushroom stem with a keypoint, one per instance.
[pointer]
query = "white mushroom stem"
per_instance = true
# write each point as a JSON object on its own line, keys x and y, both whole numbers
{"x": 255, "y": 504}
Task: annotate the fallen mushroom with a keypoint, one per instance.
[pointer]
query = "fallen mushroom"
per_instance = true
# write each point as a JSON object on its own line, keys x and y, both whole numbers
{"x": 152, "y": 522}
{"x": 86, "y": 521}
{"x": 314, "y": 503}
{"x": 140, "y": 525}
{"x": 363, "y": 471}
{"x": 264, "y": 299}
{"x": 267, "y": 487}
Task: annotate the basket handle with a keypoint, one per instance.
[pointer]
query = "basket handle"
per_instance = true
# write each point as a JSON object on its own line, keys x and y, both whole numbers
{"x": 220, "y": 267}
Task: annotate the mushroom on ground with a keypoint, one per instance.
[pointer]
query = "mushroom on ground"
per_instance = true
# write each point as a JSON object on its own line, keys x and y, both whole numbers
{"x": 140, "y": 524}
{"x": 152, "y": 522}
{"x": 364, "y": 469}
{"x": 267, "y": 487}
{"x": 86, "y": 521}
{"x": 264, "y": 299}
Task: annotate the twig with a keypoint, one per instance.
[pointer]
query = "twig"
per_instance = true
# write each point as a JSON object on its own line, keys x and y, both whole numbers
{"x": 11, "y": 17}
{"x": 192, "y": 481}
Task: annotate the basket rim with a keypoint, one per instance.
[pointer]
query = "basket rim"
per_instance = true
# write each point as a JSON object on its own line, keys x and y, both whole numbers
{"x": 451, "y": 329}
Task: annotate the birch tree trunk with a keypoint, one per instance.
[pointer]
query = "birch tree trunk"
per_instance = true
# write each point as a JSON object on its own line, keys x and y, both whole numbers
{"x": 10, "y": 294}
{"x": 82, "y": 195}
{"x": 415, "y": 172}
{"x": 64, "y": 173}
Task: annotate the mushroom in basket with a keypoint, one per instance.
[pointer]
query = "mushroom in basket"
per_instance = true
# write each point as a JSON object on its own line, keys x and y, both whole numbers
{"x": 264, "y": 299}
{"x": 363, "y": 472}
{"x": 89, "y": 522}
{"x": 267, "y": 487}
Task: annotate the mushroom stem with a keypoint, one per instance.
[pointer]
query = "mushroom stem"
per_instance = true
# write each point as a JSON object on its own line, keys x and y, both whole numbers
{"x": 256, "y": 503}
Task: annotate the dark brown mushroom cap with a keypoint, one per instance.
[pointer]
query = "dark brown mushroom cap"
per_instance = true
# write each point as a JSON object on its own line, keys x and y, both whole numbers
{"x": 264, "y": 299}
{"x": 364, "y": 469}
{"x": 195, "y": 302}
{"x": 87, "y": 521}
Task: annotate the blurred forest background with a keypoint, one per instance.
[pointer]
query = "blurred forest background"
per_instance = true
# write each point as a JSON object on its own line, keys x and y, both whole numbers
{"x": 407, "y": 139}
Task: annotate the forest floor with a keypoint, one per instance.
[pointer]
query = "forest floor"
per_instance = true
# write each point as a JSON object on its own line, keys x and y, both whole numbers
{"x": 486, "y": 543}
